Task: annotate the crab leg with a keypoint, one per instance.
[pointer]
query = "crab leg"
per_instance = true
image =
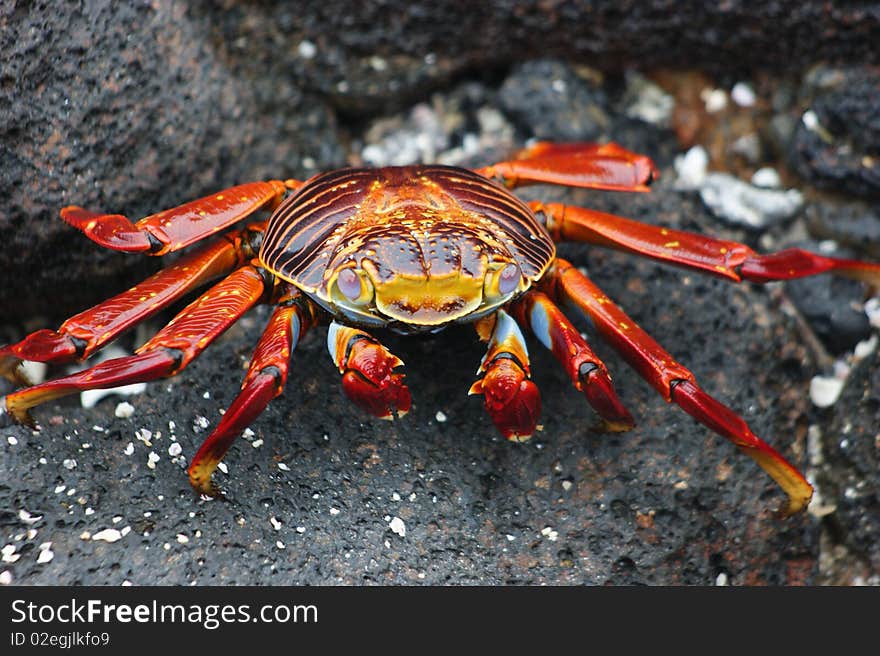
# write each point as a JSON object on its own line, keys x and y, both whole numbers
{"x": 264, "y": 381}
{"x": 86, "y": 332}
{"x": 676, "y": 383}
{"x": 594, "y": 166}
{"x": 367, "y": 369}
{"x": 173, "y": 229}
{"x": 726, "y": 259}
{"x": 166, "y": 354}
{"x": 586, "y": 370}
{"x": 511, "y": 398}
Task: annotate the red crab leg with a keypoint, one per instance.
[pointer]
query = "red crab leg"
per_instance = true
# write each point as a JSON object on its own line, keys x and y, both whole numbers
{"x": 676, "y": 383}
{"x": 594, "y": 166}
{"x": 511, "y": 398}
{"x": 726, "y": 259}
{"x": 84, "y": 333}
{"x": 263, "y": 382}
{"x": 586, "y": 370}
{"x": 167, "y": 353}
{"x": 173, "y": 229}
{"x": 367, "y": 369}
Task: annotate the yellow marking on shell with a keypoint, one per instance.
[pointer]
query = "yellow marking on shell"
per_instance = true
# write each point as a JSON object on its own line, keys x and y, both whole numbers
{"x": 672, "y": 244}
{"x": 201, "y": 213}
{"x": 623, "y": 325}
{"x": 664, "y": 231}
{"x": 219, "y": 196}
{"x": 91, "y": 224}
{"x": 720, "y": 268}
{"x": 722, "y": 250}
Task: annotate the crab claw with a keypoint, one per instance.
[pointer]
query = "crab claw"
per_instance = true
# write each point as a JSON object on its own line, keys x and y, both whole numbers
{"x": 512, "y": 400}
{"x": 383, "y": 397}
{"x": 368, "y": 376}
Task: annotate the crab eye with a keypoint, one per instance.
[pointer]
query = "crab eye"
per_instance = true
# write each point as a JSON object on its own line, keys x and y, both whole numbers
{"x": 353, "y": 286}
{"x": 508, "y": 279}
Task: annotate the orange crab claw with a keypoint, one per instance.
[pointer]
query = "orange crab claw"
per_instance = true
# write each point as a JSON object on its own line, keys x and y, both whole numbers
{"x": 512, "y": 400}
{"x": 367, "y": 368}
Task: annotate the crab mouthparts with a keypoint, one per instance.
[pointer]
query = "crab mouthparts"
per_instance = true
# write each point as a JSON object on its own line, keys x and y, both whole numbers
{"x": 429, "y": 302}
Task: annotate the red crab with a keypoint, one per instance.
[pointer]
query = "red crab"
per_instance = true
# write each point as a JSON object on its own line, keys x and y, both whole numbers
{"x": 411, "y": 249}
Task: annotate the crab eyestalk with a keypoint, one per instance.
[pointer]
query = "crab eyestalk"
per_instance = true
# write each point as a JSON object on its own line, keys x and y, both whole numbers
{"x": 511, "y": 398}
{"x": 367, "y": 368}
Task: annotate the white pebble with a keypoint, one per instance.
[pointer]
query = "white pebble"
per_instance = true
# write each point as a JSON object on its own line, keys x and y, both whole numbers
{"x": 35, "y": 372}
{"x": 182, "y": 539}
{"x": 69, "y": 463}
{"x": 872, "y": 309}
{"x": 45, "y": 556}
{"x": 691, "y": 168}
{"x": 766, "y": 177}
{"x": 175, "y": 450}
{"x": 152, "y": 459}
{"x": 395, "y": 496}
{"x": 5, "y": 577}
{"x": 279, "y": 544}
{"x": 129, "y": 449}
{"x": 89, "y": 398}
{"x": 824, "y": 391}
{"x": 283, "y": 467}
{"x": 721, "y": 579}
{"x": 743, "y": 94}
{"x": 740, "y": 203}
{"x": 549, "y": 533}
{"x": 8, "y": 554}
{"x": 107, "y": 535}
{"x": 306, "y": 49}
{"x": 715, "y": 100}
{"x": 440, "y": 416}
{"x": 27, "y": 518}
{"x": 865, "y": 348}
{"x": 275, "y": 523}
{"x": 334, "y": 511}
{"x": 124, "y": 410}
{"x": 257, "y": 444}
{"x": 222, "y": 467}
{"x": 144, "y": 435}
{"x": 12, "y": 441}
{"x": 300, "y": 529}
{"x": 397, "y": 526}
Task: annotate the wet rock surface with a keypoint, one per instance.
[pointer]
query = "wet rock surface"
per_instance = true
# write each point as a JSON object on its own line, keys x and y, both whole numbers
{"x": 850, "y": 480}
{"x": 837, "y": 143}
{"x": 126, "y": 108}
{"x": 833, "y": 307}
{"x": 317, "y": 493}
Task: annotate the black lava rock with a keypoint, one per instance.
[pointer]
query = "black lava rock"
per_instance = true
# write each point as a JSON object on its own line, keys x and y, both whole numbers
{"x": 851, "y": 478}
{"x": 125, "y": 108}
{"x": 854, "y": 225}
{"x": 833, "y": 307}
{"x": 554, "y": 102}
{"x": 841, "y": 152}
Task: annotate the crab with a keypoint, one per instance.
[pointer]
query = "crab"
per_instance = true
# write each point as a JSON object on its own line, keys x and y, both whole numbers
{"x": 411, "y": 249}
